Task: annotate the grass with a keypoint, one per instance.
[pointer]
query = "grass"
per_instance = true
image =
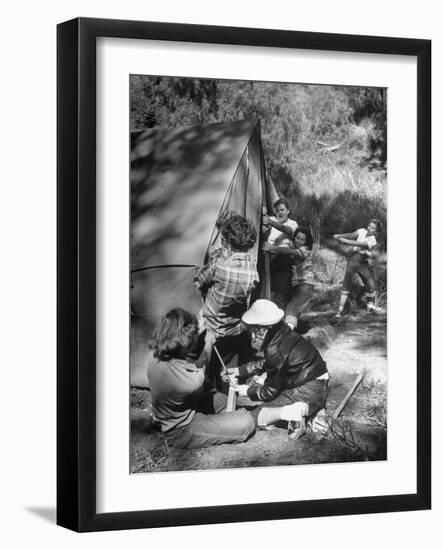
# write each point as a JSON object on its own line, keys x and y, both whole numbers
{"x": 139, "y": 399}
{"x": 349, "y": 446}
{"x": 359, "y": 434}
{"x": 153, "y": 459}
{"x": 329, "y": 268}
{"x": 376, "y": 409}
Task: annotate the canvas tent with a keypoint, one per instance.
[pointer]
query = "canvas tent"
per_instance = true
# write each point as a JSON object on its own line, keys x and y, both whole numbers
{"x": 181, "y": 180}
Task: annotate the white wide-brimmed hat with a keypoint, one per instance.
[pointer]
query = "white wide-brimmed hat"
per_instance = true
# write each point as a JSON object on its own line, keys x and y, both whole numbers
{"x": 264, "y": 313}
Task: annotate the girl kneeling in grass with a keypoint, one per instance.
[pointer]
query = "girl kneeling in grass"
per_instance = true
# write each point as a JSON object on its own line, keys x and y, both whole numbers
{"x": 301, "y": 273}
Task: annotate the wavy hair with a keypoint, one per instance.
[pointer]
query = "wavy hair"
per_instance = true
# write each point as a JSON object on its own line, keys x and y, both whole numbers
{"x": 175, "y": 335}
{"x": 308, "y": 236}
{"x": 238, "y": 232}
{"x": 378, "y": 224}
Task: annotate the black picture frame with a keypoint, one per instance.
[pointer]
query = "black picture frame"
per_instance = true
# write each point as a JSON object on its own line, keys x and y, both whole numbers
{"x": 77, "y": 286}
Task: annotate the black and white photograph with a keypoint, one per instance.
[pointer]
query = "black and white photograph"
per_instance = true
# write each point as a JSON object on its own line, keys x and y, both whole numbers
{"x": 221, "y": 275}
{"x": 258, "y": 274}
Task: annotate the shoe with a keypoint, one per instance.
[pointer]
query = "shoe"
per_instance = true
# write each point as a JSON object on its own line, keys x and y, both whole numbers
{"x": 319, "y": 424}
{"x": 296, "y": 429}
{"x": 338, "y": 315}
{"x": 372, "y": 308}
{"x": 296, "y": 414}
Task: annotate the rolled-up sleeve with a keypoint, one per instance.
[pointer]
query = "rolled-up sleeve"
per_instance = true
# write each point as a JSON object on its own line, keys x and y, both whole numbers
{"x": 205, "y": 275}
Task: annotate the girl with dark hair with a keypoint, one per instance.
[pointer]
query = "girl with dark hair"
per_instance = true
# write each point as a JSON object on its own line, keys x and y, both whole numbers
{"x": 301, "y": 274}
{"x": 226, "y": 282}
{"x": 278, "y": 230}
{"x": 362, "y": 242}
{"x": 189, "y": 418}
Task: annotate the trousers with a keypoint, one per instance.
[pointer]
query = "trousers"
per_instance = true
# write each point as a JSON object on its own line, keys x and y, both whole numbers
{"x": 314, "y": 393}
{"x": 358, "y": 264}
{"x": 211, "y": 426}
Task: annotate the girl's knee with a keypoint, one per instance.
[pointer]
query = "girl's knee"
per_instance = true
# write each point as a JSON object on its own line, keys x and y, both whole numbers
{"x": 248, "y": 425}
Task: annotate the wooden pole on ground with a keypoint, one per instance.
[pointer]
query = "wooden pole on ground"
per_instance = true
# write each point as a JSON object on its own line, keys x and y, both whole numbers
{"x": 349, "y": 394}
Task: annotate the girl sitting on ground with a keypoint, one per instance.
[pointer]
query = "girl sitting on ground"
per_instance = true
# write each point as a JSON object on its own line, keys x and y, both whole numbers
{"x": 300, "y": 254}
{"x": 189, "y": 417}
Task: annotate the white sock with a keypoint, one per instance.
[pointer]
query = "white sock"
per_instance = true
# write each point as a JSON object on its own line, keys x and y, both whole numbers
{"x": 295, "y": 411}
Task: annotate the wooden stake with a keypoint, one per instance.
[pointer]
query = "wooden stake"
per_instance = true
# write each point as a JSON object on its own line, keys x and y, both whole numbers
{"x": 231, "y": 396}
{"x": 231, "y": 400}
{"x": 349, "y": 394}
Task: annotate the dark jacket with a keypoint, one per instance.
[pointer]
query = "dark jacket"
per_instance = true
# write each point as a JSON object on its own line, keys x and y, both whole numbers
{"x": 289, "y": 361}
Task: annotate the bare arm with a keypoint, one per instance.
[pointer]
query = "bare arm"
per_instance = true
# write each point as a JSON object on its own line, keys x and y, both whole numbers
{"x": 283, "y": 251}
{"x": 353, "y": 236}
{"x": 360, "y": 244}
{"x": 281, "y": 227}
{"x": 204, "y": 358}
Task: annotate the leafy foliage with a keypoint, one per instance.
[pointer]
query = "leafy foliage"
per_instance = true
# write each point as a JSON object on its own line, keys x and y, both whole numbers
{"x": 325, "y": 146}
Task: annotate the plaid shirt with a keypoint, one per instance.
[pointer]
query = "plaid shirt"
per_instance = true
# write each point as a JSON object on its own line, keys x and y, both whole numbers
{"x": 228, "y": 281}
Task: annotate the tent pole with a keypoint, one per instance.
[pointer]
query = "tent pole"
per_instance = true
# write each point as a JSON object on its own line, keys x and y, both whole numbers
{"x": 265, "y": 200}
{"x": 267, "y": 274}
{"x": 267, "y": 289}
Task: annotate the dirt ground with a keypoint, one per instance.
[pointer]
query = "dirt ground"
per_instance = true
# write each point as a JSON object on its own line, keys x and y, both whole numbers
{"x": 358, "y": 341}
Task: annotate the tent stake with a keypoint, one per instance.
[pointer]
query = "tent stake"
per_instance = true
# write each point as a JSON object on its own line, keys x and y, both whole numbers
{"x": 349, "y": 394}
{"x": 231, "y": 397}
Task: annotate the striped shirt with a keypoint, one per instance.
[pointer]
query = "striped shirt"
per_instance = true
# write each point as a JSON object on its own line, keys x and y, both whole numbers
{"x": 229, "y": 282}
{"x": 302, "y": 271}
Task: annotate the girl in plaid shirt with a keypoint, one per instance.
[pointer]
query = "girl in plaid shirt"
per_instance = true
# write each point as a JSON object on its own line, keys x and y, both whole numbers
{"x": 227, "y": 281}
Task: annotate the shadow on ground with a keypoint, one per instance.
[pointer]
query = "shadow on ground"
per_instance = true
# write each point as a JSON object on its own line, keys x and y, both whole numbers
{"x": 359, "y": 434}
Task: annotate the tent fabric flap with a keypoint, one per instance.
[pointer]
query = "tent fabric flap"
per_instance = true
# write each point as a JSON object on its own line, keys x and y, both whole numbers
{"x": 181, "y": 181}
